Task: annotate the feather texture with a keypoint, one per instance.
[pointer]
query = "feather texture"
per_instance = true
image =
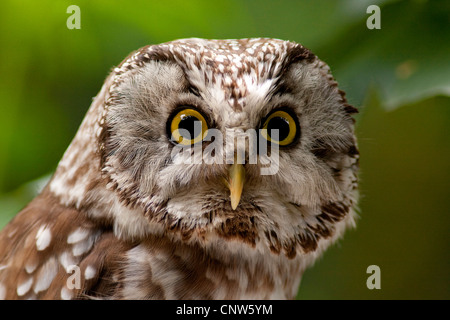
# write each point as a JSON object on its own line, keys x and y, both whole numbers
{"x": 124, "y": 218}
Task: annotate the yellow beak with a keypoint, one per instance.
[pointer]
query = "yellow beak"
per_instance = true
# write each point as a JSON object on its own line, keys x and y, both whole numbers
{"x": 236, "y": 176}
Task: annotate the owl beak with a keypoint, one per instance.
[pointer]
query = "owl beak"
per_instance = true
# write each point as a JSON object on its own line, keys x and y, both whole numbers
{"x": 236, "y": 183}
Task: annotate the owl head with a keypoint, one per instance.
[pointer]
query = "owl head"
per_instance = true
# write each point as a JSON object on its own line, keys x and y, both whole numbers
{"x": 248, "y": 141}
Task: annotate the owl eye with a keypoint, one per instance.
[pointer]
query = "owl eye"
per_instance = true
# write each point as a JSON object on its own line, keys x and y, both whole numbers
{"x": 187, "y": 127}
{"x": 288, "y": 128}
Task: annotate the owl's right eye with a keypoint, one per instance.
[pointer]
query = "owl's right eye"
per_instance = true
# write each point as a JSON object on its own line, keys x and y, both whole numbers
{"x": 187, "y": 127}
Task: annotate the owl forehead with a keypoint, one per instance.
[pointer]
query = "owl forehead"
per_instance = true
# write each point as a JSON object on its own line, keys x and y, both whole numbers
{"x": 230, "y": 68}
{"x": 229, "y": 57}
{"x": 227, "y": 69}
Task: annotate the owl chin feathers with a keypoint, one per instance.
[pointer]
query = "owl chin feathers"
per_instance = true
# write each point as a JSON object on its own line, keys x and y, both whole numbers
{"x": 292, "y": 212}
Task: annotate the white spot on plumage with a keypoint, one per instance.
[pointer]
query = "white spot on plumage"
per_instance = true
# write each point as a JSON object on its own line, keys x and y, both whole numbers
{"x": 237, "y": 62}
{"x": 80, "y": 248}
{"x": 260, "y": 56}
{"x": 23, "y": 288}
{"x": 43, "y": 238}
{"x": 84, "y": 246}
{"x": 31, "y": 266}
{"x": 2, "y": 292}
{"x": 89, "y": 273}
{"x": 227, "y": 80}
{"x": 67, "y": 261}
{"x": 66, "y": 294}
{"x": 77, "y": 236}
{"x": 46, "y": 275}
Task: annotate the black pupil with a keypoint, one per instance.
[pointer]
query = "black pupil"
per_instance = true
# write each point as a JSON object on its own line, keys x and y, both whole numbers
{"x": 189, "y": 127}
{"x": 281, "y": 124}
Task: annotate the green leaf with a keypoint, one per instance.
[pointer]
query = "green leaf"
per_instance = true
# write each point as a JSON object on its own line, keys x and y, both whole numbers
{"x": 406, "y": 60}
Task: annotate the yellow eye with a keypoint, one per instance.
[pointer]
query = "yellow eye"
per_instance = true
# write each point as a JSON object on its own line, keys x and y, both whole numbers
{"x": 188, "y": 127}
{"x": 288, "y": 129}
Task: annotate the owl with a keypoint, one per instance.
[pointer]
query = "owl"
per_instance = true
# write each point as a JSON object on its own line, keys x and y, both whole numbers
{"x": 204, "y": 169}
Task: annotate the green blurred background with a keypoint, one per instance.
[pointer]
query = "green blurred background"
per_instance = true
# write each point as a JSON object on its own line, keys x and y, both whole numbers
{"x": 398, "y": 76}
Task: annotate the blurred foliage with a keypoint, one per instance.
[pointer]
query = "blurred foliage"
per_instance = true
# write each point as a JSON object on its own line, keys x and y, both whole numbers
{"x": 399, "y": 77}
{"x": 404, "y": 209}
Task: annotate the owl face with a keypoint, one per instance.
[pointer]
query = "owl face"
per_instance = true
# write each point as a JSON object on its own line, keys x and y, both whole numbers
{"x": 204, "y": 169}
{"x": 163, "y": 142}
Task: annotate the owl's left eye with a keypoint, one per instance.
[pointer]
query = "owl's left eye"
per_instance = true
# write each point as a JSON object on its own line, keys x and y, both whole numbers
{"x": 286, "y": 125}
{"x": 187, "y": 127}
